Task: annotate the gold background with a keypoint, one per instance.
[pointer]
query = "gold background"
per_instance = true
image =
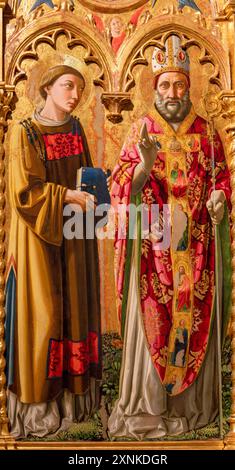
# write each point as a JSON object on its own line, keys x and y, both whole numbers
{"x": 214, "y": 31}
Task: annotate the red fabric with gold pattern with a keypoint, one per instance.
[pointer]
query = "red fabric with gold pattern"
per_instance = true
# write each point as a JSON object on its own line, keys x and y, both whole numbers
{"x": 73, "y": 357}
{"x": 62, "y": 145}
{"x": 156, "y": 273}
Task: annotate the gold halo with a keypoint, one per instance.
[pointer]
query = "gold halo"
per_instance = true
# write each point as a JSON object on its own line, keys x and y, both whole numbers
{"x": 147, "y": 92}
{"x": 183, "y": 263}
{"x": 37, "y": 70}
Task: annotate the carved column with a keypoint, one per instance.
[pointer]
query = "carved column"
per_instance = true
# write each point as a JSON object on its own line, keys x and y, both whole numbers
{"x": 230, "y": 12}
{"x": 227, "y": 16}
{"x": 3, "y": 3}
{"x": 6, "y": 95}
{"x": 228, "y": 112}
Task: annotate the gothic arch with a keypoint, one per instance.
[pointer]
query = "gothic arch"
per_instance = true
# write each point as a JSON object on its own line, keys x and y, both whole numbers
{"x": 133, "y": 53}
{"x": 47, "y": 30}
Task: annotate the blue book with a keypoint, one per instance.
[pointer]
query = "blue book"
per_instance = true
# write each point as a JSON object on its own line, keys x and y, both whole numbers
{"x": 94, "y": 181}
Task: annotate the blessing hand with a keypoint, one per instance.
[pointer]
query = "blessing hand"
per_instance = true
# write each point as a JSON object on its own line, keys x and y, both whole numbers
{"x": 148, "y": 147}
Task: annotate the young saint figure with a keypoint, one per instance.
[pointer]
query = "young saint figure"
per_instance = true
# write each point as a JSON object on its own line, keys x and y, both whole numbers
{"x": 52, "y": 292}
{"x": 158, "y": 397}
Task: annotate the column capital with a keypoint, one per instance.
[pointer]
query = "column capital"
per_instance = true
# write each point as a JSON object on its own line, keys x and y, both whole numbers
{"x": 115, "y": 103}
{"x": 227, "y": 12}
{"x": 229, "y": 8}
{"x": 227, "y": 101}
{"x": 3, "y": 4}
{"x": 6, "y": 96}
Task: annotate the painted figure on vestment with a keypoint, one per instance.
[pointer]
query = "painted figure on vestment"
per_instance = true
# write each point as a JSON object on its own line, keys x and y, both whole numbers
{"x": 183, "y": 291}
{"x": 178, "y": 180}
{"x": 180, "y": 346}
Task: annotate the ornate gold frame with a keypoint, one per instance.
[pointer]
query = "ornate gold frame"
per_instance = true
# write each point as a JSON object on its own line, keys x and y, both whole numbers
{"x": 116, "y": 99}
{"x": 116, "y": 7}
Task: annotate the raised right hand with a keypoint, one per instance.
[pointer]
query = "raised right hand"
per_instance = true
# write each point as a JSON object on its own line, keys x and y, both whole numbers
{"x": 148, "y": 147}
{"x": 83, "y": 200}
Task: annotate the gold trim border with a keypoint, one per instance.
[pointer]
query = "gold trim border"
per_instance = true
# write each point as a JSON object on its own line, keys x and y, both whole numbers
{"x": 6, "y": 441}
{"x": 215, "y": 444}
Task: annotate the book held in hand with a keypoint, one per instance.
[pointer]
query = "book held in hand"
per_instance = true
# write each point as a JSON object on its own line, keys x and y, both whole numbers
{"x": 94, "y": 181}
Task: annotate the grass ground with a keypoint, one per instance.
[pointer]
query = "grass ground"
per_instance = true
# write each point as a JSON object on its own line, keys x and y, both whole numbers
{"x": 93, "y": 429}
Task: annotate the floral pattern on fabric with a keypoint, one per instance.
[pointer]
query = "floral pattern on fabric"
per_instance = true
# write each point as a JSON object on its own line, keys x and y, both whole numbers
{"x": 60, "y": 145}
{"x": 73, "y": 357}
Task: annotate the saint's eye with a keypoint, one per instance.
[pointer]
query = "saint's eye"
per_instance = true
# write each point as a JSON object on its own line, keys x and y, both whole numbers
{"x": 68, "y": 85}
{"x": 164, "y": 85}
{"x": 180, "y": 85}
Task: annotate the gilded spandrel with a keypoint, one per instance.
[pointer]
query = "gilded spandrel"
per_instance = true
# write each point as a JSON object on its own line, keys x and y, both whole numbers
{"x": 114, "y": 46}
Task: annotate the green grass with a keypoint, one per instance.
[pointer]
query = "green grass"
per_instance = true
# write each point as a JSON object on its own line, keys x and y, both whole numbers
{"x": 92, "y": 430}
{"x": 84, "y": 431}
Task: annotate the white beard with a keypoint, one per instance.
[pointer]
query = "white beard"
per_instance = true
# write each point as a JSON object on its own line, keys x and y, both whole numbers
{"x": 173, "y": 113}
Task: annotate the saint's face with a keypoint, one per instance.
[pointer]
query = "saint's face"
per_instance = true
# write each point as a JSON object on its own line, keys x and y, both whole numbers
{"x": 116, "y": 27}
{"x": 181, "y": 270}
{"x": 172, "y": 86}
{"x": 173, "y": 100}
{"x": 66, "y": 92}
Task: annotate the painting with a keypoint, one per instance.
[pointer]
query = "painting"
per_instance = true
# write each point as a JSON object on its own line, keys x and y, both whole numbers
{"x": 110, "y": 331}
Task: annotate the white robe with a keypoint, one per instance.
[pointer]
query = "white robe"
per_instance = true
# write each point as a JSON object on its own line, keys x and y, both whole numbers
{"x": 144, "y": 410}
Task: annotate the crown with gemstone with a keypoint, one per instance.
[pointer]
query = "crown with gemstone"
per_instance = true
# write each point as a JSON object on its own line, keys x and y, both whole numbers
{"x": 170, "y": 59}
